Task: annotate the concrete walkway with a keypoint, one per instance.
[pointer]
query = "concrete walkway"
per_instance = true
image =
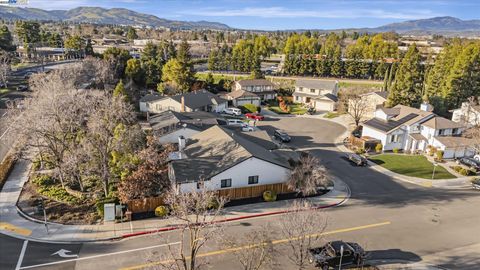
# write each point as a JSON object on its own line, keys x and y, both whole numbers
{"x": 14, "y": 224}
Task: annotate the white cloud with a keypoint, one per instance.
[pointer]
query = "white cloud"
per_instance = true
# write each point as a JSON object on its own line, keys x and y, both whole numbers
{"x": 281, "y": 12}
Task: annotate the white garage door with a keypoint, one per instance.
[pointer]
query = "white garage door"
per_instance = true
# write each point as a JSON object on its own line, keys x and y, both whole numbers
{"x": 324, "y": 106}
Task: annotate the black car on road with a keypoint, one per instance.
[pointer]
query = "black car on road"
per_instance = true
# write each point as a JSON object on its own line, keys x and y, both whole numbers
{"x": 282, "y": 136}
{"x": 357, "y": 159}
{"x": 337, "y": 253}
{"x": 469, "y": 162}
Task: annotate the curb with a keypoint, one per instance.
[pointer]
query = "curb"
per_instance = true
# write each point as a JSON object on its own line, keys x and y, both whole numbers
{"x": 32, "y": 219}
{"x": 128, "y": 235}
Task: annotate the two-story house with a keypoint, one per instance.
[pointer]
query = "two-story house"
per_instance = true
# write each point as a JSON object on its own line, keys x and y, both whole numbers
{"x": 371, "y": 102}
{"x": 261, "y": 87}
{"x": 412, "y": 130}
{"x": 318, "y": 94}
{"x": 201, "y": 100}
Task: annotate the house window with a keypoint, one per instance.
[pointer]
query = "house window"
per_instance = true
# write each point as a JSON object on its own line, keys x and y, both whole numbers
{"x": 312, "y": 90}
{"x": 454, "y": 131}
{"x": 394, "y": 138}
{"x": 224, "y": 183}
{"x": 300, "y": 89}
{"x": 253, "y": 180}
{"x": 441, "y": 132}
{"x": 297, "y": 98}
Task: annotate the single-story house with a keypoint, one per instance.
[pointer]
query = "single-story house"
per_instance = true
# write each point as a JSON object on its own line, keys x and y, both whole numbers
{"x": 412, "y": 130}
{"x": 200, "y": 100}
{"x": 167, "y": 126}
{"x": 261, "y": 87}
{"x": 242, "y": 97}
{"x": 318, "y": 94}
{"x": 220, "y": 158}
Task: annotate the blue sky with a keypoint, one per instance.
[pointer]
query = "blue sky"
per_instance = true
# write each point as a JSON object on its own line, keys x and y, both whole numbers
{"x": 286, "y": 14}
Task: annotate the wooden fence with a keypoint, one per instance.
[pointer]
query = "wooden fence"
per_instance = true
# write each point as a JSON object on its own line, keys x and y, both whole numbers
{"x": 149, "y": 204}
{"x": 145, "y": 205}
{"x": 253, "y": 191}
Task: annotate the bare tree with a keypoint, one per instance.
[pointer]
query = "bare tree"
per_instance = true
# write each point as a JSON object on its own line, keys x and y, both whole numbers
{"x": 198, "y": 213}
{"x": 4, "y": 66}
{"x": 303, "y": 229}
{"x": 308, "y": 174}
{"x": 357, "y": 106}
{"x": 254, "y": 251}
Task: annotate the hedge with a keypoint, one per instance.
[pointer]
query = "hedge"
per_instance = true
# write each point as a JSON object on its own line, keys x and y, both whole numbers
{"x": 162, "y": 211}
{"x": 463, "y": 171}
{"x": 6, "y": 168}
{"x": 270, "y": 196}
{"x": 250, "y": 108}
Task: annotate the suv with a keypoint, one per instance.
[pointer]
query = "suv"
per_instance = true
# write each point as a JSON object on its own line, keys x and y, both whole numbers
{"x": 281, "y": 136}
{"x": 232, "y": 111}
{"x": 469, "y": 162}
{"x": 330, "y": 255}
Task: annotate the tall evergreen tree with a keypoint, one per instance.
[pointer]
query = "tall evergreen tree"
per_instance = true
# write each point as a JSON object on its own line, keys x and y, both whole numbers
{"x": 6, "y": 39}
{"x": 408, "y": 84}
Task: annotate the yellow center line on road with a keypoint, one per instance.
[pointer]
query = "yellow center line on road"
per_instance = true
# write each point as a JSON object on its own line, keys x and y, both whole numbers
{"x": 275, "y": 242}
{"x": 15, "y": 229}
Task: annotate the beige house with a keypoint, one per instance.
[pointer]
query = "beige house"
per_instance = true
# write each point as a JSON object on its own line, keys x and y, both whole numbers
{"x": 261, "y": 87}
{"x": 242, "y": 97}
{"x": 318, "y": 94}
{"x": 200, "y": 100}
{"x": 372, "y": 101}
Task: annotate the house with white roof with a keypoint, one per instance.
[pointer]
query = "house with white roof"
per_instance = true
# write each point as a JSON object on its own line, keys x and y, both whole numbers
{"x": 412, "y": 130}
{"x": 318, "y": 94}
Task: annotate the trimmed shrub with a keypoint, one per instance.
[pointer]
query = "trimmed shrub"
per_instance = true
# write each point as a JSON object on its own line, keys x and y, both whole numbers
{"x": 360, "y": 151}
{"x": 6, "y": 168}
{"x": 213, "y": 204}
{"x": 57, "y": 193}
{"x": 439, "y": 155}
{"x": 43, "y": 180}
{"x": 269, "y": 196}
{"x": 162, "y": 211}
{"x": 396, "y": 150}
{"x": 463, "y": 171}
{"x": 378, "y": 147}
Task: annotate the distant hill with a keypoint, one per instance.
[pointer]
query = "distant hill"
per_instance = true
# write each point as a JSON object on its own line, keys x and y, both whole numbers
{"x": 438, "y": 25}
{"x": 103, "y": 16}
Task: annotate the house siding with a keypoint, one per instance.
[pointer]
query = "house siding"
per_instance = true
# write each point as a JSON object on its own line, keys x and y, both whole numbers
{"x": 268, "y": 173}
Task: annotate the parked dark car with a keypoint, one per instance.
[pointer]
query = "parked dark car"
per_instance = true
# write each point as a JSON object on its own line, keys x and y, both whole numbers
{"x": 22, "y": 88}
{"x": 357, "y": 159}
{"x": 311, "y": 111}
{"x": 476, "y": 184}
{"x": 469, "y": 162}
{"x": 330, "y": 255}
{"x": 282, "y": 136}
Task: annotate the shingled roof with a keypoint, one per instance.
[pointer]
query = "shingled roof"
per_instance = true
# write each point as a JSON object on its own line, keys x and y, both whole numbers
{"x": 217, "y": 149}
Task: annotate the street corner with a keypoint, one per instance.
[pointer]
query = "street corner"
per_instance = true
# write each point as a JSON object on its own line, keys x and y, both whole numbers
{"x": 10, "y": 228}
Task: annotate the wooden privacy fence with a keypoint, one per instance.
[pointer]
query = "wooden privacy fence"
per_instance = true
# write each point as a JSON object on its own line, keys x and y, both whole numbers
{"x": 145, "y": 205}
{"x": 253, "y": 191}
{"x": 149, "y": 204}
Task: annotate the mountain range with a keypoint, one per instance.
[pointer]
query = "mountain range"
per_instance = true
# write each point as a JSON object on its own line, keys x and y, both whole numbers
{"x": 103, "y": 16}
{"x": 439, "y": 25}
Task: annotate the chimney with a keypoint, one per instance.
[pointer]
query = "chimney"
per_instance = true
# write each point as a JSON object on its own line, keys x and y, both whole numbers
{"x": 425, "y": 106}
{"x": 182, "y": 109}
{"x": 181, "y": 144}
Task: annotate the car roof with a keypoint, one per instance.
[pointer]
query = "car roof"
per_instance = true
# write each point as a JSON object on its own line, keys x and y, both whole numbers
{"x": 337, "y": 245}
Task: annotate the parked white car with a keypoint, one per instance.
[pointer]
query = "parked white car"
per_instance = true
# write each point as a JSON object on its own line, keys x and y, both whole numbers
{"x": 248, "y": 128}
{"x": 232, "y": 111}
{"x": 236, "y": 122}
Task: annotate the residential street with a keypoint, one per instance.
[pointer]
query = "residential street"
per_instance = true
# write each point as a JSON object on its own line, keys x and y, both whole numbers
{"x": 394, "y": 221}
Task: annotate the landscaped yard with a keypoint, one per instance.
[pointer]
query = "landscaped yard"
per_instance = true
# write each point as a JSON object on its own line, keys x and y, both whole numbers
{"x": 295, "y": 108}
{"x": 411, "y": 165}
{"x": 4, "y": 91}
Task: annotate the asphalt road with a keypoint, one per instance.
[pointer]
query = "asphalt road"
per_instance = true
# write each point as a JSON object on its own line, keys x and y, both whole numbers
{"x": 394, "y": 221}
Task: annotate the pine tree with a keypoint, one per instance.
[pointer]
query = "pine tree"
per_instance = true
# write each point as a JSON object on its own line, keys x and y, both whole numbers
{"x": 120, "y": 91}
{"x": 408, "y": 84}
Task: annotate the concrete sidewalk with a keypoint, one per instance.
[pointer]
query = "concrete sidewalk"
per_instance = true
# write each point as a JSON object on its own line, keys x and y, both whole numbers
{"x": 14, "y": 224}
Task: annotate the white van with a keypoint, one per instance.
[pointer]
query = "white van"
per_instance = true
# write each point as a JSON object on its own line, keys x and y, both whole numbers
{"x": 232, "y": 111}
{"x": 235, "y": 122}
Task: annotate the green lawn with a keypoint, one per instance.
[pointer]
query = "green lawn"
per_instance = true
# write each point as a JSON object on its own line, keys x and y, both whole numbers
{"x": 295, "y": 108}
{"x": 331, "y": 115}
{"x": 415, "y": 166}
{"x": 4, "y": 91}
